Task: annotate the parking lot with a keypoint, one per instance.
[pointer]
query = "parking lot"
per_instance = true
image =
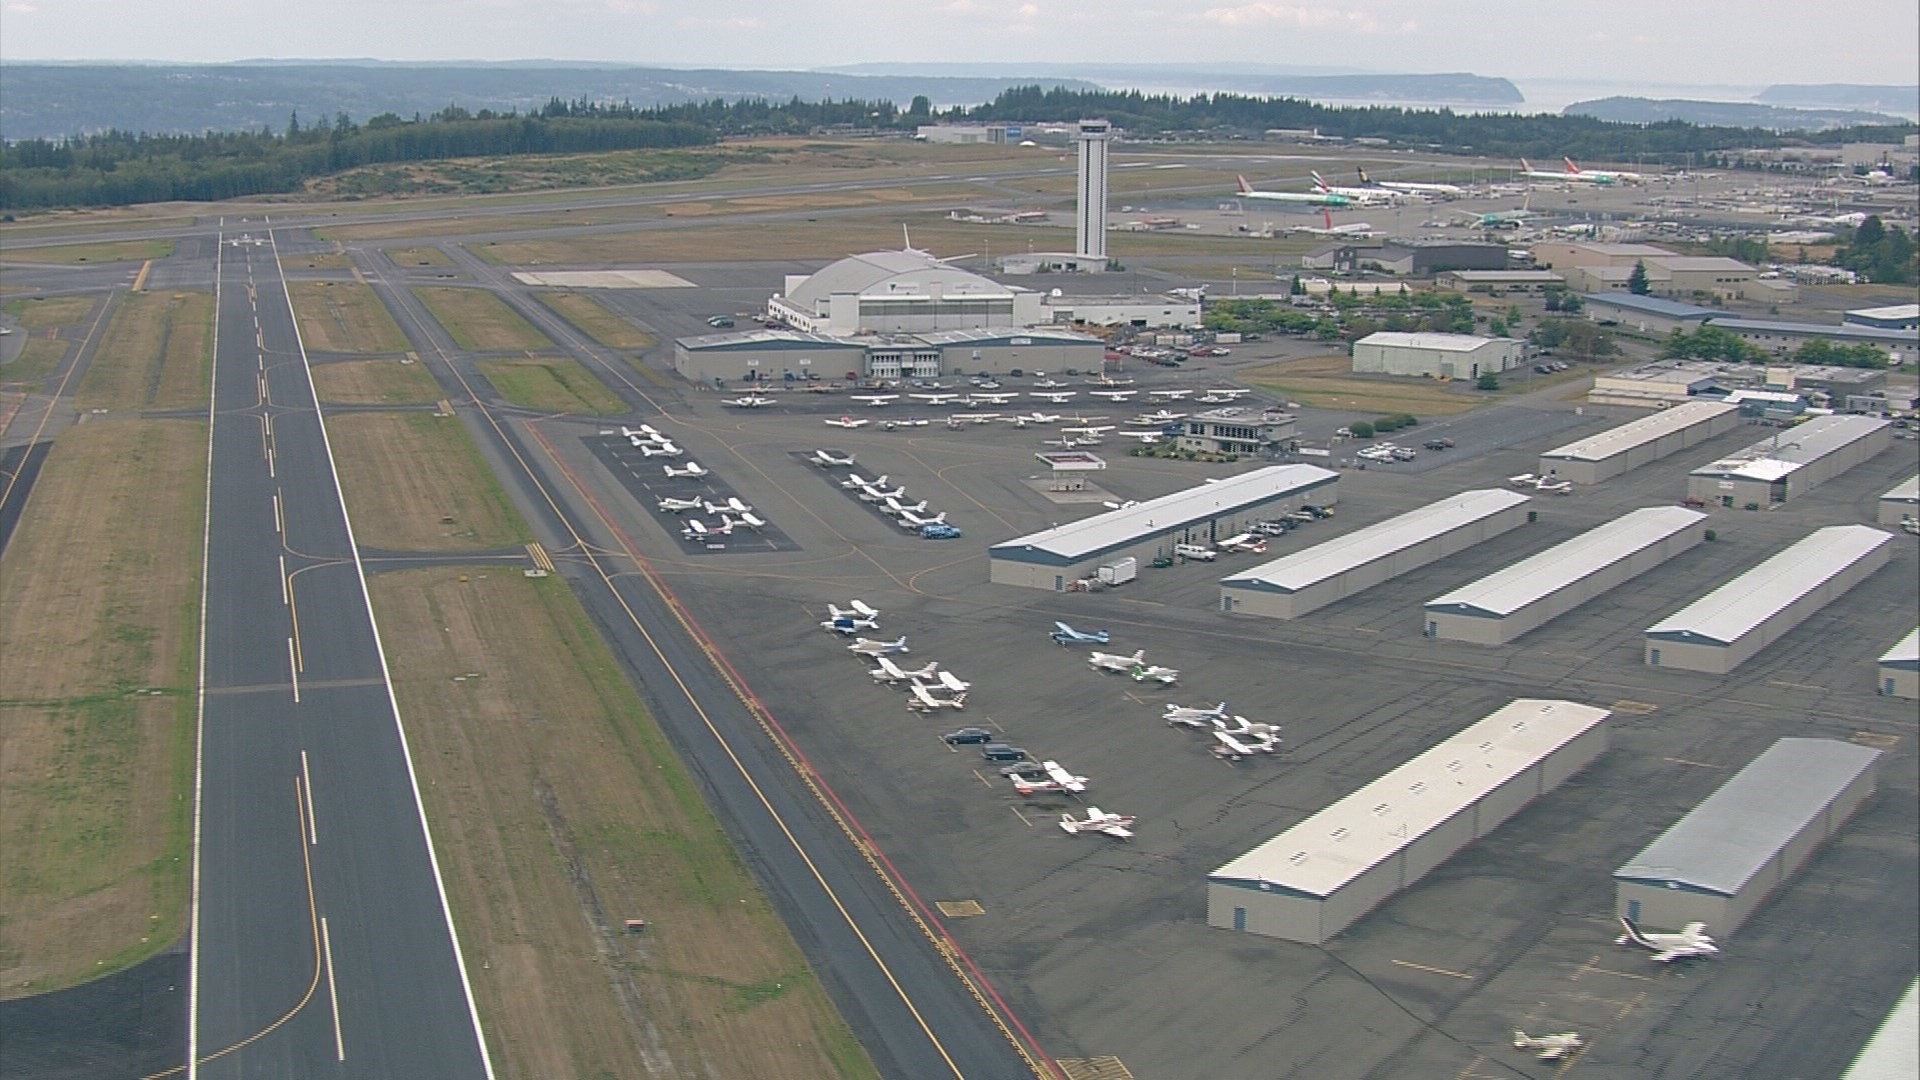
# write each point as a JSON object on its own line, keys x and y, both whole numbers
{"x": 1101, "y": 946}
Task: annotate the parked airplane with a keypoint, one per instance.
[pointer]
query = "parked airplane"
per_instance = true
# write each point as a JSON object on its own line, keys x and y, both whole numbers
{"x": 1317, "y": 198}
{"x": 1359, "y": 196}
{"x": 935, "y": 399}
{"x": 1116, "y": 662}
{"x": 1448, "y": 191}
{"x": 857, "y": 609}
{"x": 1023, "y": 419}
{"x": 875, "y": 494}
{"x": 874, "y": 401}
{"x": 1067, "y": 635}
{"x": 664, "y": 449}
{"x": 924, "y": 701}
{"x": 1551, "y": 1047}
{"x": 890, "y": 673}
{"x": 1145, "y": 436}
{"x": 1057, "y": 779}
{"x": 911, "y": 520}
{"x": 1359, "y": 230}
{"x": 972, "y": 418}
{"x": 896, "y": 507}
{"x": 827, "y": 459}
{"x": 1089, "y": 430}
{"x": 1055, "y": 396}
{"x": 644, "y": 433}
{"x": 1565, "y": 177}
{"x": 679, "y": 506}
{"x": 695, "y": 529}
{"x": 1165, "y": 676}
{"x": 1602, "y": 176}
{"x": 1159, "y": 416}
{"x": 1170, "y": 395}
{"x": 954, "y": 684}
{"x": 1181, "y": 714}
{"x": 1049, "y": 384}
{"x": 1234, "y": 747}
{"x": 870, "y": 647}
{"x": 746, "y": 518}
{"x": 847, "y": 422}
{"x": 1118, "y": 826}
{"x": 1555, "y": 487}
{"x": 1230, "y": 391}
{"x": 751, "y": 401}
{"x": 845, "y": 625}
{"x": 691, "y": 468}
{"x": 1525, "y": 479}
{"x": 1113, "y": 395}
{"x": 1691, "y": 941}
{"x": 988, "y": 399}
{"x": 1069, "y": 442}
{"x": 1245, "y": 542}
{"x": 853, "y": 481}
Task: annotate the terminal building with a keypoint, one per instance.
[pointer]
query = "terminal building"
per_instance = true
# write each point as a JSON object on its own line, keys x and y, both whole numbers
{"x": 1199, "y": 515}
{"x": 1639, "y": 442}
{"x": 1717, "y": 864}
{"x": 1725, "y": 628}
{"x": 1316, "y": 879}
{"x": 1437, "y": 356}
{"x": 1506, "y": 604}
{"x": 1791, "y": 463}
{"x": 1900, "y": 668}
{"x": 1305, "y": 581}
{"x": 1901, "y": 503}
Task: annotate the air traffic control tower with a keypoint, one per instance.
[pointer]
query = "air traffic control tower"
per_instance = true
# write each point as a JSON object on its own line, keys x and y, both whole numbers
{"x": 1090, "y": 237}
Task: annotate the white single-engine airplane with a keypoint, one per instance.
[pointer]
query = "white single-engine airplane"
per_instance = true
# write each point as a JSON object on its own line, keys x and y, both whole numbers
{"x": 1114, "y": 662}
{"x": 1234, "y": 745}
{"x": 1359, "y": 196}
{"x": 890, "y": 673}
{"x": 924, "y": 701}
{"x": 1551, "y": 1047}
{"x": 660, "y": 449}
{"x": 691, "y": 469}
{"x": 751, "y": 401}
{"x": 1181, "y": 714}
{"x": 679, "y": 506}
{"x": 1113, "y": 395}
{"x": 827, "y": 459}
{"x": 874, "y": 401}
{"x": 1067, "y": 635}
{"x": 870, "y": 647}
{"x": 858, "y": 609}
{"x": 855, "y": 480}
{"x": 843, "y": 625}
{"x": 1058, "y": 779}
{"x": 1118, "y": 826}
{"x": 911, "y": 520}
{"x": 848, "y": 422}
{"x": 936, "y": 399}
{"x": 1055, "y": 396}
{"x": 1692, "y": 941}
{"x": 1165, "y": 676}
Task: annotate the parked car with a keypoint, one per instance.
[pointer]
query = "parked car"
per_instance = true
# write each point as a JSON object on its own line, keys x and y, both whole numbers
{"x": 1401, "y": 453}
{"x": 968, "y": 735}
{"x": 939, "y": 531}
{"x": 1025, "y": 769}
{"x": 721, "y": 321}
{"x": 1439, "y": 444}
{"x": 1317, "y": 511}
{"x": 1271, "y": 528}
{"x": 999, "y": 751}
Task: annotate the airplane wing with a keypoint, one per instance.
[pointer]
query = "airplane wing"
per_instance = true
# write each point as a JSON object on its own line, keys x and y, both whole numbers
{"x": 1118, "y": 831}
{"x": 1695, "y": 929}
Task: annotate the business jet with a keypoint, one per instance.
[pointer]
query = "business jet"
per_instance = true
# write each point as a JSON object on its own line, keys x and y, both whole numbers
{"x": 1692, "y": 941}
{"x": 936, "y": 399}
{"x": 1551, "y": 1047}
{"x": 1058, "y": 779}
{"x": 1181, "y": 714}
{"x": 1359, "y": 196}
{"x": 828, "y": 459}
{"x": 1445, "y": 191}
{"x": 875, "y": 401}
{"x": 692, "y": 469}
{"x": 849, "y": 625}
{"x": 891, "y": 673}
{"x": 923, "y": 700}
{"x": 870, "y": 647}
{"x": 1317, "y": 198}
{"x": 1602, "y": 176}
{"x": 679, "y": 506}
{"x": 1114, "y": 662}
{"x": 911, "y": 520}
{"x": 663, "y": 449}
{"x": 1170, "y": 395}
{"x": 1066, "y": 635}
{"x": 1165, "y": 676}
{"x": 857, "y": 609}
{"x": 751, "y": 401}
{"x": 848, "y": 422}
{"x": 1118, "y": 826}
{"x": 1058, "y": 397}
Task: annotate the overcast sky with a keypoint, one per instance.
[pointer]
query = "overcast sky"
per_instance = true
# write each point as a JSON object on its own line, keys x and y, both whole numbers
{"x": 1659, "y": 42}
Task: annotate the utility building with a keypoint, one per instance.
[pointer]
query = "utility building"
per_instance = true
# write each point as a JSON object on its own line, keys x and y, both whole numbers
{"x": 1900, "y": 668}
{"x": 1504, "y": 605}
{"x": 1717, "y": 864}
{"x": 1198, "y": 515}
{"x": 1901, "y": 503}
{"x": 1631, "y": 445}
{"x": 1293, "y": 585}
{"x": 1725, "y": 628}
{"x": 1314, "y": 880}
{"x": 1436, "y": 356}
{"x": 1792, "y": 463}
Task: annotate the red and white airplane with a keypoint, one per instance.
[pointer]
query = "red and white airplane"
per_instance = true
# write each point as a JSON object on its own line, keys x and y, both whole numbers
{"x": 1118, "y": 826}
{"x": 1601, "y": 176}
{"x": 848, "y": 422}
{"x": 1058, "y": 780}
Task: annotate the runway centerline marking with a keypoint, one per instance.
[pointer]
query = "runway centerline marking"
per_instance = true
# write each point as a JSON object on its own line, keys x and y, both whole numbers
{"x": 293, "y": 665}
{"x": 333, "y": 987}
{"x": 306, "y": 778}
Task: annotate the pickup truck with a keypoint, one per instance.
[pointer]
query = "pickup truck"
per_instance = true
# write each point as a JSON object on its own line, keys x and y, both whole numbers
{"x": 939, "y": 531}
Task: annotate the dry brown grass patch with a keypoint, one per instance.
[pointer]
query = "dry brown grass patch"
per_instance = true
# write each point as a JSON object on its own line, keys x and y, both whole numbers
{"x": 559, "y": 811}
{"x": 419, "y": 256}
{"x": 374, "y": 382}
{"x": 479, "y": 321}
{"x": 46, "y": 313}
{"x": 596, "y": 320}
{"x": 1328, "y": 382}
{"x": 416, "y": 482}
{"x": 158, "y": 354}
{"x": 344, "y": 317}
{"x": 100, "y": 589}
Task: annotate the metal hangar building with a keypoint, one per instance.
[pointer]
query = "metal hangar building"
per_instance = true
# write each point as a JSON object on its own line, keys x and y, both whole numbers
{"x": 1639, "y": 442}
{"x": 1050, "y": 559}
{"x": 1794, "y": 462}
{"x": 1314, "y": 880}
{"x": 1717, "y": 864}
{"x": 1900, "y": 668}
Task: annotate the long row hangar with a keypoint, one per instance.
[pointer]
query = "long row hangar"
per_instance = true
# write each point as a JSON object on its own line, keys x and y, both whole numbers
{"x": 1316, "y": 879}
{"x": 1639, "y": 442}
{"x": 1900, "y": 668}
{"x": 1305, "y": 581}
{"x": 1719, "y": 862}
{"x": 1053, "y": 557}
{"x": 1725, "y": 628}
{"x": 1525, "y": 596}
{"x": 777, "y": 355}
{"x": 1790, "y": 463}
{"x": 1901, "y": 503}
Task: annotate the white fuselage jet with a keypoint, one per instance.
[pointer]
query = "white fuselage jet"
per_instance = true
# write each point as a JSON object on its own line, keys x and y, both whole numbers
{"x": 1692, "y": 941}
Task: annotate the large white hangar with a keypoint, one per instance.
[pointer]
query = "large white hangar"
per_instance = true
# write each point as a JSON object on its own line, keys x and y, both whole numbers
{"x": 1505, "y": 604}
{"x": 1717, "y": 864}
{"x": 1901, "y": 503}
{"x": 1725, "y": 628}
{"x": 1631, "y": 445}
{"x": 908, "y": 292}
{"x": 749, "y": 355}
{"x": 1305, "y": 581}
{"x": 1791, "y": 463}
{"x": 1050, "y": 559}
{"x": 1314, "y": 880}
{"x": 1900, "y": 668}
{"x": 1436, "y": 356}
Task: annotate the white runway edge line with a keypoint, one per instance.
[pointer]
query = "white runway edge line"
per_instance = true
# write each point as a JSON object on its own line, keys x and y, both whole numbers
{"x": 313, "y": 829}
{"x": 386, "y": 675}
{"x": 200, "y": 679}
{"x": 333, "y": 988}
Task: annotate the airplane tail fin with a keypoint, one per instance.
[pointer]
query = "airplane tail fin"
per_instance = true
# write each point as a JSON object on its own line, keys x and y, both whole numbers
{"x": 1318, "y": 180}
{"x": 1245, "y": 188}
{"x": 1364, "y": 179}
{"x": 1525, "y": 165}
{"x": 1571, "y": 167}
{"x": 1634, "y": 935}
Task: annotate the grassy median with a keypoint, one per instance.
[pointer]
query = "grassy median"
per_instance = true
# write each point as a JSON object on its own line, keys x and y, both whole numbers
{"x": 479, "y": 321}
{"x": 344, "y": 317}
{"x": 416, "y": 482}
{"x": 595, "y": 320}
{"x": 100, "y": 586}
{"x": 551, "y": 384}
{"x": 375, "y": 382}
{"x": 75, "y": 254}
{"x": 158, "y": 354}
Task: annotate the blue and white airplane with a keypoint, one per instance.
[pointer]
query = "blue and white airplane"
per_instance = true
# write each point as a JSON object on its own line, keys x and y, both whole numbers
{"x": 1067, "y": 635}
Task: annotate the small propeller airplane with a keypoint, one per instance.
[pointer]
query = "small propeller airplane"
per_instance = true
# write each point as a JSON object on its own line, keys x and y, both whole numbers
{"x": 870, "y": 647}
{"x": 691, "y": 469}
{"x": 847, "y": 422}
{"x": 828, "y": 459}
{"x": 845, "y": 625}
{"x": 1169, "y": 395}
{"x": 679, "y": 506}
{"x": 1066, "y": 635}
{"x": 1181, "y": 714}
{"x": 1551, "y": 1047}
{"x": 923, "y": 700}
{"x": 875, "y": 401}
{"x": 1114, "y": 662}
{"x": 751, "y": 401}
{"x": 891, "y": 673}
{"x": 1055, "y": 396}
{"x": 660, "y": 449}
{"x": 1114, "y": 395}
{"x": 1058, "y": 779}
{"x": 855, "y": 480}
{"x": 857, "y": 609}
{"x": 1165, "y": 676}
{"x": 1692, "y": 941}
{"x": 1118, "y": 826}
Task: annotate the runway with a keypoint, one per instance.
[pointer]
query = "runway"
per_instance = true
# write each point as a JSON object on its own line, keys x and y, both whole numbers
{"x": 319, "y": 937}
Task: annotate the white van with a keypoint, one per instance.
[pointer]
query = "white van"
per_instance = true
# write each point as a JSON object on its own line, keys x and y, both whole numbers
{"x": 1195, "y": 551}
